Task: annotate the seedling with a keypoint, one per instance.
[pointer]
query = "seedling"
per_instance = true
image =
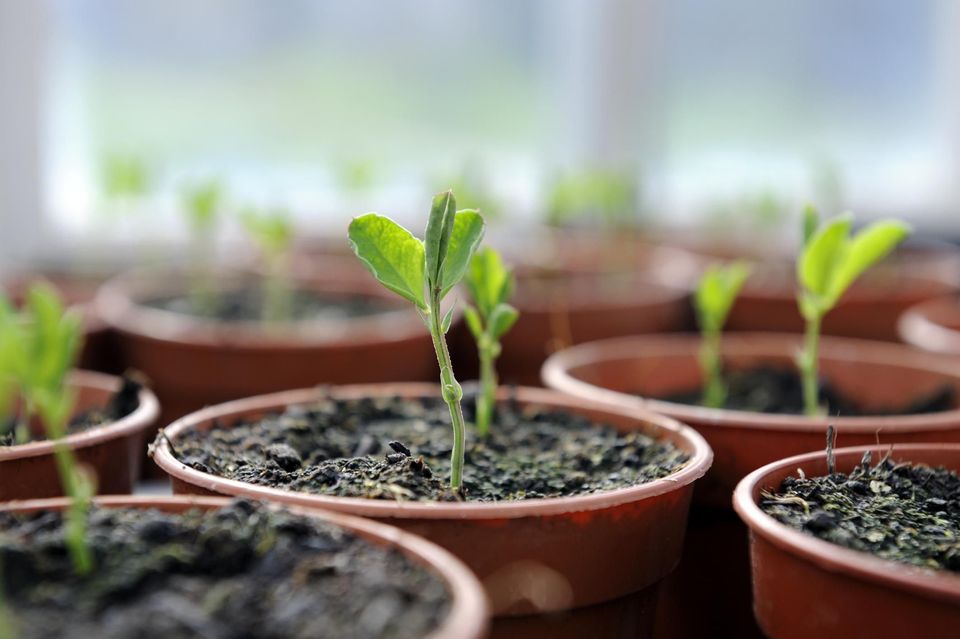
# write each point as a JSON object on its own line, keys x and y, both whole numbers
{"x": 424, "y": 272}
{"x": 39, "y": 346}
{"x": 124, "y": 177}
{"x": 272, "y": 231}
{"x": 202, "y": 203}
{"x": 490, "y": 284}
{"x": 714, "y": 298}
{"x": 610, "y": 195}
{"x": 831, "y": 260}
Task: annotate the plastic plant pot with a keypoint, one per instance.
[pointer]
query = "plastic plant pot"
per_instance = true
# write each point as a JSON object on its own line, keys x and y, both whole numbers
{"x": 807, "y": 587}
{"x": 933, "y": 326}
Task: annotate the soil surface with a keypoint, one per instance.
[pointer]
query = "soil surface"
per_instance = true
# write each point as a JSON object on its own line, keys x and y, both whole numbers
{"x": 246, "y": 305}
{"x": 238, "y": 572}
{"x": 397, "y": 449}
{"x": 901, "y": 512}
{"x": 124, "y": 401}
{"x": 780, "y": 391}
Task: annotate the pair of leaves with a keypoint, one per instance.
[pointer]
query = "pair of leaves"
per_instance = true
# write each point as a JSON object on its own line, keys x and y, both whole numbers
{"x": 716, "y": 293}
{"x": 270, "y": 229}
{"x": 490, "y": 284}
{"x": 832, "y": 259}
{"x": 408, "y": 266}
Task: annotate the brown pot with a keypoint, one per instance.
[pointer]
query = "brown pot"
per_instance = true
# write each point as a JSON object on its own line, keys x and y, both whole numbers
{"x": 806, "y": 587}
{"x": 99, "y": 351}
{"x": 933, "y": 326}
{"x": 193, "y": 363}
{"x": 577, "y": 287}
{"x": 469, "y": 611}
{"x": 114, "y": 451}
{"x": 533, "y": 556}
{"x": 624, "y": 371}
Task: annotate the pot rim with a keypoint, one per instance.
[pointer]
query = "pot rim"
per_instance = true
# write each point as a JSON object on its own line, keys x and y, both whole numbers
{"x": 917, "y": 328}
{"x": 118, "y": 303}
{"x": 701, "y": 457}
{"x": 833, "y": 557}
{"x": 556, "y": 373}
{"x": 469, "y": 610}
{"x": 148, "y": 407}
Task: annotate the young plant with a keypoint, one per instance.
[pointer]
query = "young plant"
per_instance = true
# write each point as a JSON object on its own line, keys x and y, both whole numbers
{"x": 831, "y": 260}
{"x": 423, "y": 272}
{"x": 39, "y": 347}
{"x": 202, "y": 203}
{"x": 714, "y": 298}
{"x": 272, "y": 231}
{"x": 610, "y": 195}
{"x": 490, "y": 285}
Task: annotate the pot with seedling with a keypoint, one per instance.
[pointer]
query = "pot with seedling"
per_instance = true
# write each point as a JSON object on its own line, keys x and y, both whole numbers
{"x": 782, "y": 391}
{"x": 212, "y": 567}
{"x": 209, "y": 334}
{"x": 48, "y": 410}
{"x": 549, "y": 507}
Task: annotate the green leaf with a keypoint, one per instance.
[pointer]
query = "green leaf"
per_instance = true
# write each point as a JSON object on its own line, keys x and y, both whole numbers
{"x": 811, "y": 220}
{"x": 447, "y": 320}
{"x": 467, "y": 232}
{"x": 716, "y": 293}
{"x": 823, "y": 254}
{"x": 502, "y": 320}
{"x": 488, "y": 280}
{"x": 270, "y": 229}
{"x": 437, "y": 238}
{"x": 201, "y": 203}
{"x": 392, "y": 254}
{"x": 474, "y": 323}
{"x": 867, "y": 247}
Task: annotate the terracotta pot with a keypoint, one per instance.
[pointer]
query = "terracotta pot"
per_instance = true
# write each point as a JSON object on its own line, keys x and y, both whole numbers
{"x": 533, "y": 556}
{"x": 580, "y": 287}
{"x": 114, "y": 451}
{"x": 194, "y": 362}
{"x": 807, "y": 587}
{"x": 623, "y": 371}
{"x": 933, "y": 326}
{"x": 469, "y": 612}
{"x": 99, "y": 351}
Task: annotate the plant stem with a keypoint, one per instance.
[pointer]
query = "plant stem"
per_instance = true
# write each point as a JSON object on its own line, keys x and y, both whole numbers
{"x": 488, "y": 388}
{"x": 452, "y": 392}
{"x": 74, "y": 488}
{"x": 809, "y": 368}
{"x": 714, "y": 390}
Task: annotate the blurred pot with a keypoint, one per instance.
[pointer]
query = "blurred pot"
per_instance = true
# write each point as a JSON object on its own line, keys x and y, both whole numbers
{"x": 933, "y": 326}
{"x": 468, "y": 615}
{"x": 113, "y": 451}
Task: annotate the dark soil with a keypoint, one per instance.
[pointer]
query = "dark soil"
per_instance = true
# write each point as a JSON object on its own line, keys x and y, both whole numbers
{"x": 396, "y": 449}
{"x": 246, "y": 305}
{"x": 902, "y": 512}
{"x": 780, "y": 391}
{"x": 239, "y": 572}
{"x": 124, "y": 401}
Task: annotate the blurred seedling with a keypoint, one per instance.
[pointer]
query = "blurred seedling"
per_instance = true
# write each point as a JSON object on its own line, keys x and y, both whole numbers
{"x": 202, "y": 204}
{"x": 714, "y": 297}
{"x": 272, "y": 232}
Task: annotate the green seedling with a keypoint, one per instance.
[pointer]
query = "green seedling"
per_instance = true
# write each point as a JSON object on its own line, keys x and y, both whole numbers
{"x": 611, "y": 195}
{"x": 715, "y": 295}
{"x": 39, "y": 346}
{"x": 490, "y": 285}
{"x": 424, "y": 272}
{"x": 124, "y": 177}
{"x": 831, "y": 260}
{"x": 202, "y": 203}
{"x": 272, "y": 231}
